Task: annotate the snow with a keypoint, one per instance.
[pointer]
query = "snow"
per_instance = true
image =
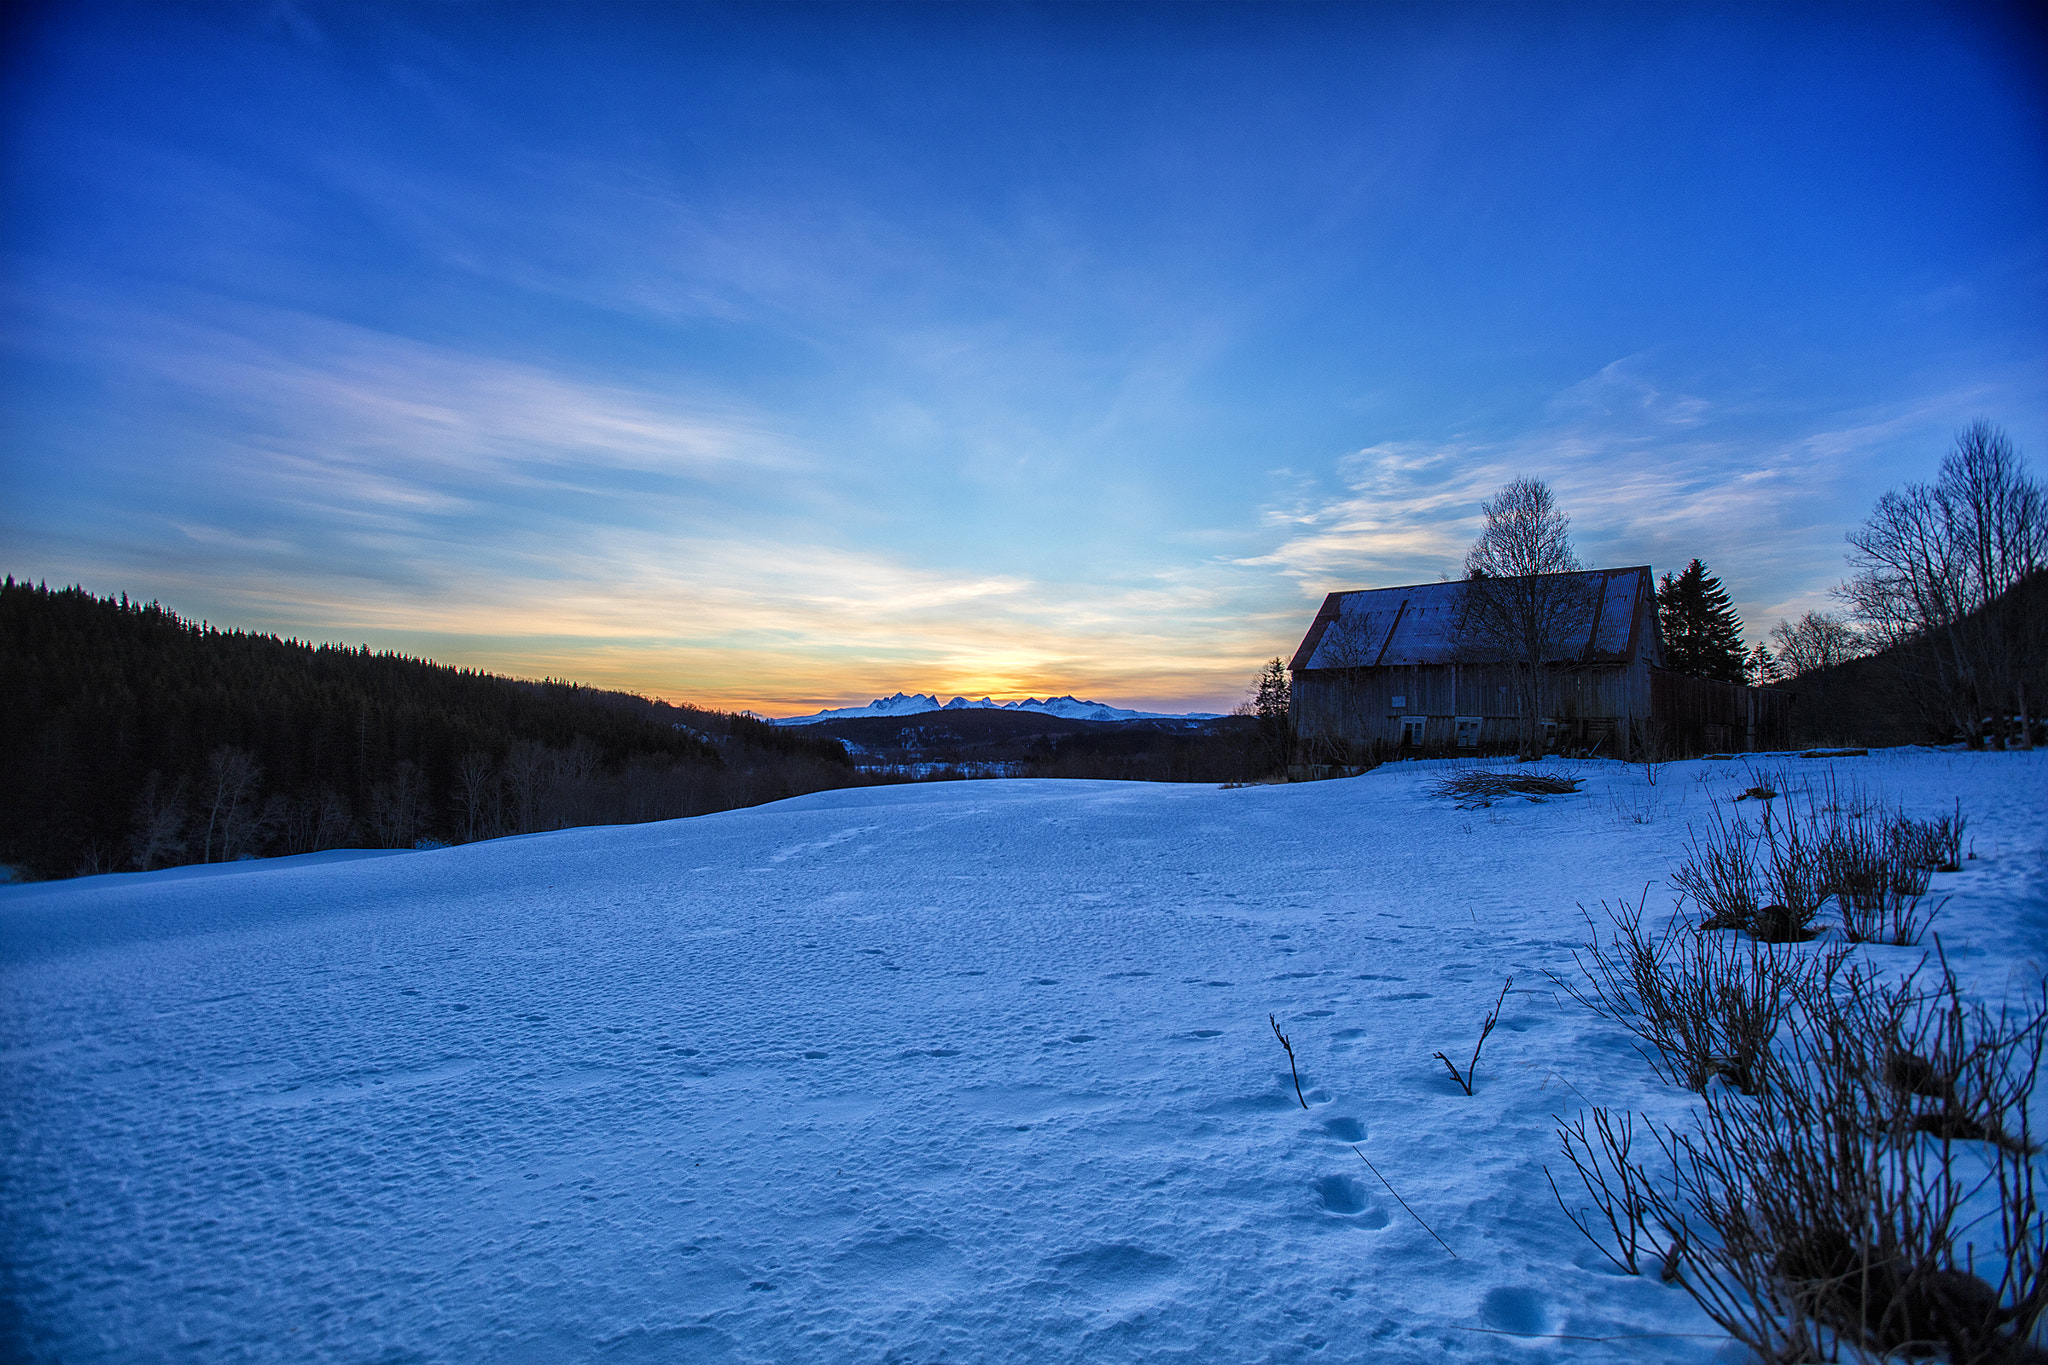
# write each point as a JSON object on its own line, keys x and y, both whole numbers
{"x": 917, "y": 704}
{"x": 959, "y": 1071}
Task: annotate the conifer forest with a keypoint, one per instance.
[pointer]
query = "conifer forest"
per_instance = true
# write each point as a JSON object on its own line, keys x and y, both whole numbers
{"x": 131, "y": 738}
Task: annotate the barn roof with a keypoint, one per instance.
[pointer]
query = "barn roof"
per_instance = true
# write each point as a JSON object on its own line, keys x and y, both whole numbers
{"x": 1419, "y": 624}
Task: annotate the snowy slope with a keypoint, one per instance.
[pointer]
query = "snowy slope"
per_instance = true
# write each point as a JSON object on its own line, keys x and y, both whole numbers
{"x": 966, "y": 1071}
{"x": 918, "y": 703}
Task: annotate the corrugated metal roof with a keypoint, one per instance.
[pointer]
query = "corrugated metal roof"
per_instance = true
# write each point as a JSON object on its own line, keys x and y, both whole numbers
{"x": 1419, "y": 624}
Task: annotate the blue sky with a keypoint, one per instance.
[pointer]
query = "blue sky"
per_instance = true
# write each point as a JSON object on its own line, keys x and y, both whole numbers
{"x": 780, "y": 356}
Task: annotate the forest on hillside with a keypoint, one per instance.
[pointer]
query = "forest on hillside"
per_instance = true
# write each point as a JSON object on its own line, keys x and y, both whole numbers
{"x": 131, "y": 738}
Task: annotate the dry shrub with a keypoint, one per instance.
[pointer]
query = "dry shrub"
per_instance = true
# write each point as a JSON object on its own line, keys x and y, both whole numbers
{"x": 1935, "y": 845}
{"x": 1709, "y": 1006}
{"x": 1719, "y": 872}
{"x": 1618, "y": 1186}
{"x": 1773, "y": 878}
{"x": 1794, "y": 877}
{"x": 1843, "y": 1207}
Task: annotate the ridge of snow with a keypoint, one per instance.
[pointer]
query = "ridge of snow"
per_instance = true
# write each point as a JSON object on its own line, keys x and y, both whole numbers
{"x": 917, "y": 703}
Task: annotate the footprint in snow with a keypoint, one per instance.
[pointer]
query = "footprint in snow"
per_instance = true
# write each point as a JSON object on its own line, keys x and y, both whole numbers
{"x": 1344, "y": 1129}
{"x": 1118, "y": 1268}
{"x": 1515, "y": 1309}
{"x": 1342, "y": 1194}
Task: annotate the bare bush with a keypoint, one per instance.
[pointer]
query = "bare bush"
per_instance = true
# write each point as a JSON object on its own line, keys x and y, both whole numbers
{"x": 1841, "y": 1208}
{"x": 1772, "y": 879}
{"x": 1719, "y": 872}
{"x": 1936, "y": 845}
{"x": 1877, "y": 865}
{"x": 1470, "y": 1074}
{"x": 1617, "y": 1184}
{"x": 1709, "y": 1006}
{"x": 1794, "y": 878}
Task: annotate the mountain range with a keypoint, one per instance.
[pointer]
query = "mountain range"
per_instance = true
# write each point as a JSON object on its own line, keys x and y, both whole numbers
{"x": 913, "y": 704}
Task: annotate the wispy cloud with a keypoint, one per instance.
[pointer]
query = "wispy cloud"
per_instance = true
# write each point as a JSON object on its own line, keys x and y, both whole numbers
{"x": 1649, "y": 473}
{"x": 347, "y": 483}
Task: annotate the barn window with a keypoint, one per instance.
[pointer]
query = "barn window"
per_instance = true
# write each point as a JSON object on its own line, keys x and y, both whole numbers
{"x": 1400, "y": 702}
{"x": 1411, "y": 731}
{"x": 1468, "y": 732}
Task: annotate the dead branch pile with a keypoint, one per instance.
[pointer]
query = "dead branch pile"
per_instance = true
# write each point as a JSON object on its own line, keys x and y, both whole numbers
{"x": 1480, "y": 787}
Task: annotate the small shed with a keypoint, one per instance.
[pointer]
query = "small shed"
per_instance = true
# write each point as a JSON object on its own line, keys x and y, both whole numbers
{"x": 1385, "y": 670}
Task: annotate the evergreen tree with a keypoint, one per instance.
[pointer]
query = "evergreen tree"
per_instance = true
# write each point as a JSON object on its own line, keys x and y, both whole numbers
{"x": 1762, "y": 666}
{"x": 1702, "y": 633}
{"x": 1270, "y": 700}
{"x": 1271, "y": 695}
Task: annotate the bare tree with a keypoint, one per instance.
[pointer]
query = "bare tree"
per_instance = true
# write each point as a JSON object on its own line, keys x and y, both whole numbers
{"x": 1932, "y": 561}
{"x": 1524, "y": 603}
{"x": 398, "y": 806}
{"x": 476, "y": 794}
{"x": 336, "y": 824}
{"x": 527, "y": 771}
{"x": 232, "y": 779}
{"x": 158, "y": 837}
{"x": 1815, "y": 641}
{"x": 1348, "y": 648}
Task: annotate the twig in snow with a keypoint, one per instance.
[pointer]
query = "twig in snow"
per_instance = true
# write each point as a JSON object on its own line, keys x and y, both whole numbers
{"x": 1404, "y": 1203}
{"x": 1290, "y": 1058}
{"x": 1471, "y": 1071}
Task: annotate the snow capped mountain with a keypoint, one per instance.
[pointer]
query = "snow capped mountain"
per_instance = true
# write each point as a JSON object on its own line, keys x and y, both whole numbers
{"x": 917, "y": 703}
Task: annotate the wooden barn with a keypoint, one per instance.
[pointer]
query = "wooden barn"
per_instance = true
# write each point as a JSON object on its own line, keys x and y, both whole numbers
{"x": 1385, "y": 670}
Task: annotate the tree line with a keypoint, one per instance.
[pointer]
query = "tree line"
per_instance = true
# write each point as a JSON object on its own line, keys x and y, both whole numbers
{"x": 1944, "y": 629}
{"x": 131, "y": 738}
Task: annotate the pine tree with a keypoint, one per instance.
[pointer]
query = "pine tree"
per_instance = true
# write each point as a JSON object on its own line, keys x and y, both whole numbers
{"x": 1762, "y": 666}
{"x": 1270, "y": 695}
{"x": 1270, "y": 701}
{"x": 1702, "y": 633}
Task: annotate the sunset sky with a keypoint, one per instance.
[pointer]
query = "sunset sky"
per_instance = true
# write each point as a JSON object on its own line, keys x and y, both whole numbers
{"x": 783, "y": 356}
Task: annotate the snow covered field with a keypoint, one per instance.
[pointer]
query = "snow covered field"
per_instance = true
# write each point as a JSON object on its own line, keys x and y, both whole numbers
{"x": 958, "y": 1072}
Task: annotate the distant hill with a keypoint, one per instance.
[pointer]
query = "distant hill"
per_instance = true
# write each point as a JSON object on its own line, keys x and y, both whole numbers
{"x": 133, "y": 738}
{"x": 1892, "y": 697}
{"x": 1035, "y": 744}
{"x": 914, "y": 704}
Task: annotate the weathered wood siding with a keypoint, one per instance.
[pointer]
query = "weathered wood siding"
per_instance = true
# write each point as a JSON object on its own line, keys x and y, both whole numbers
{"x": 1701, "y": 716}
{"x": 1607, "y": 710}
{"x": 1358, "y": 706}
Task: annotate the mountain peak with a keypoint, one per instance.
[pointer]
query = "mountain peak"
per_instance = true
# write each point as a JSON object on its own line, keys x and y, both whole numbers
{"x": 917, "y": 703}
